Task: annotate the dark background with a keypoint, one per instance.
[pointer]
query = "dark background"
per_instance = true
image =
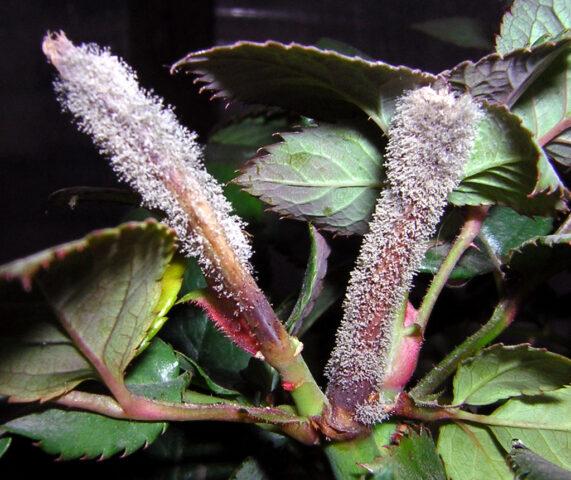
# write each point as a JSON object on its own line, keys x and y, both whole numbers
{"x": 40, "y": 151}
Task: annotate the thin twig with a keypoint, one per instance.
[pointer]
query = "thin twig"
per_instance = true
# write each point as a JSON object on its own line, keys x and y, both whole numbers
{"x": 144, "y": 409}
{"x": 471, "y": 228}
{"x": 501, "y": 318}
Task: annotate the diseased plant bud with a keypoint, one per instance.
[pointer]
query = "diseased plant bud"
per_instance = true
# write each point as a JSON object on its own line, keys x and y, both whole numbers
{"x": 430, "y": 140}
{"x": 161, "y": 160}
{"x": 147, "y": 146}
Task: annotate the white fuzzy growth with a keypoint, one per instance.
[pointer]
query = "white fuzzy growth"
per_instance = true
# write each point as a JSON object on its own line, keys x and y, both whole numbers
{"x": 430, "y": 140}
{"x": 143, "y": 139}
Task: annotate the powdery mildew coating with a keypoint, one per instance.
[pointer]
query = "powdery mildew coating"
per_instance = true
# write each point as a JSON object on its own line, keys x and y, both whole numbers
{"x": 430, "y": 140}
{"x": 145, "y": 143}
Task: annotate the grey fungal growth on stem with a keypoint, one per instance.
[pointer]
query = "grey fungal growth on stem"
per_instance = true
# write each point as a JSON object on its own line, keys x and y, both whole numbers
{"x": 430, "y": 140}
{"x": 148, "y": 149}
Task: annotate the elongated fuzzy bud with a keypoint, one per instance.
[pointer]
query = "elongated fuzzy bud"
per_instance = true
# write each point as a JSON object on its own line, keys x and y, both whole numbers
{"x": 430, "y": 139}
{"x": 161, "y": 160}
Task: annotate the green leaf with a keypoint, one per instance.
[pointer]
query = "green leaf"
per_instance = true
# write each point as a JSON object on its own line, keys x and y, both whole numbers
{"x": 231, "y": 145}
{"x": 243, "y": 204}
{"x": 414, "y": 457}
{"x": 104, "y": 290}
{"x": 204, "y": 379}
{"x": 530, "y": 466}
{"x": 312, "y": 280}
{"x": 4, "y": 445}
{"x": 542, "y": 423}
{"x": 528, "y": 21}
{"x": 542, "y": 255}
{"x": 470, "y": 452}
{"x": 501, "y": 371}
{"x": 461, "y": 31}
{"x": 507, "y": 167}
{"x": 250, "y": 132}
{"x": 350, "y": 459}
{"x": 37, "y": 360}
{"x": 249, "y": 470}
{"x": 329, "y": 175}
{"x": 546, "y": 106}
{"x": 504, "y": 78}
{"x": 503, "y": 230}
{"x": 72, "y": 434}
{"x": 474, "y": 262}
{"x": 193, "y": 278}
{"x": 156, "y": 374}
{"x": 313, "y": 82}
{"x": 191, "y": 332}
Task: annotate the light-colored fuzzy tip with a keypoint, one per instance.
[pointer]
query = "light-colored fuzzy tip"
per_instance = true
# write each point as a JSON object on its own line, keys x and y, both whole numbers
{"x": 148, "y": 148}
{"x": 56, "y": 45}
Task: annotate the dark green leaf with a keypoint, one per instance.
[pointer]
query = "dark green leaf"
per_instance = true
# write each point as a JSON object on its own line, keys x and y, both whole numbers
{"x": 542, "y": 423}
{"x": 203, "y": 379}
{"x": 156, "y": 374}
{"x": 545, "y": 108}
{"x": 104, "y": 289}
{"x": 461, "y": 31}
{"x": 530, "y": 466}
{"x": 313, "y": 82}
{"x": 191, "y": 332}
{"x": 414, "y": 457}
{"x": 542, "y": 255}
{"x": 4, "y": 445}
{"x": 193, "y": 278}
{"x": 329, "y": 175}
{"x": 504, "y": 78}
{"x": 72, "y": 434}
{"x": 500, "y": 372}
{"x": 503, "y": 230}
{"x": 243, "y": 204}
{"x": 474, "y": 262}
{"x": 231, "y": 145}
{"x": 249, "y": 470}
{"x": 470, "y": 452}
{"x": 312, "y": 280}
{"x": 250, "y": 131}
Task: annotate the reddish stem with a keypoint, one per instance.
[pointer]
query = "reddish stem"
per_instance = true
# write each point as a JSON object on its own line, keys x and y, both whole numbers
{"x": 144, "y": 409}
{"x": 557, "y": 130}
